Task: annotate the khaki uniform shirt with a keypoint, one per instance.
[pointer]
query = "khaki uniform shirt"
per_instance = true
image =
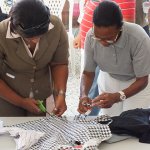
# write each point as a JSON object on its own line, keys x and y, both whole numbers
{"x": 23, "y": 73}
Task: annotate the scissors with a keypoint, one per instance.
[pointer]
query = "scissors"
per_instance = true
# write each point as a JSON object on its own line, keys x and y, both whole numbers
{"x": 42, "y": 108}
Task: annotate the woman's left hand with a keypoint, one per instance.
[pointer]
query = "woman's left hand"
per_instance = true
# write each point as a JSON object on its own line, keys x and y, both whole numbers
{"x": 106, "y": 100}
{"x": 60, "y": 105}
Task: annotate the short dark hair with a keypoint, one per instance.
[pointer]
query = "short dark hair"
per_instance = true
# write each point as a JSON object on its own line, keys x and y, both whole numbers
{"x": 30, "y": 18}
{"x": 107, "y": 14}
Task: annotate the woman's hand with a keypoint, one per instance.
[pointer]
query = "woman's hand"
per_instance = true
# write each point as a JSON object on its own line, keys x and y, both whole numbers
{"x": 77, "y": 41}
{"x": 31, "y": 105}
{"x": 84, "y": 105}
{"x": 60, "y": 105}
{"x": 106, "y": 100}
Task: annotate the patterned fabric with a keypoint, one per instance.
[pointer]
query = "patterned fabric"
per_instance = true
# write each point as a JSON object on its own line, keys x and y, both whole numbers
{"x": 61, "y": 133}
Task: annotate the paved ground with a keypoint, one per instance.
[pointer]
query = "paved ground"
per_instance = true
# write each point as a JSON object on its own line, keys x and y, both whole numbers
{"x": 72, "y": 95}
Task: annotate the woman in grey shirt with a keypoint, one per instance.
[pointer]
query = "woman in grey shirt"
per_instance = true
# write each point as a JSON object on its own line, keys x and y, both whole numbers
{"x": 122, "y": 51}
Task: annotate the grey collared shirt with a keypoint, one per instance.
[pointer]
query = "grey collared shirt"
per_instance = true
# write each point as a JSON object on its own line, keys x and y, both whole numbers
{"x": 126, "y": 59}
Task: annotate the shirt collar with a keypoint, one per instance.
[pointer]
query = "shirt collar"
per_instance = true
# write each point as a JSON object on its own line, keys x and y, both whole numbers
{"x": 11, "y": 35}
{"x": 121, "y": 42}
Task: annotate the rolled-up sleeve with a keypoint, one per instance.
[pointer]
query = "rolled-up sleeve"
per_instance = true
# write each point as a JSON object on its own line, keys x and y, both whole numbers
{"x": 61, "y": 54}
{"x": 89, "y": 63}
{"x": 141, "y": 58}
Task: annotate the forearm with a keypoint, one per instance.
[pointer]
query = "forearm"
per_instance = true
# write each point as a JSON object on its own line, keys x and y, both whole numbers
{"x": 9, "y": 95}
{"x": 136, "y": 87}
{"x": 149, "y": 15}
{"x": 59, "y": 77}
{"x": 86, "y": 83}
{"x": 106, "y": 100}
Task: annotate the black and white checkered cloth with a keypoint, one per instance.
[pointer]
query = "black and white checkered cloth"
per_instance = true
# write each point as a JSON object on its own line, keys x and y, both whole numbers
{"x": 60, "y": 131}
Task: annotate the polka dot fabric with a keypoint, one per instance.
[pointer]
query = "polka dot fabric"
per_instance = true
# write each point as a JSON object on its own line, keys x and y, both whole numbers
{"x": 63, "y": 134}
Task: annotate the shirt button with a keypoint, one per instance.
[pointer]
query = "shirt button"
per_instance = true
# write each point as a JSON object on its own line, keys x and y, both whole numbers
{"x": 34, "y": 67}
{"x": 32, "y": 80}
{"x": 36, "y": 91}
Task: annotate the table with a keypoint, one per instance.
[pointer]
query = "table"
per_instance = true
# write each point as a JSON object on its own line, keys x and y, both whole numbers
{"x": 7, "y": 143}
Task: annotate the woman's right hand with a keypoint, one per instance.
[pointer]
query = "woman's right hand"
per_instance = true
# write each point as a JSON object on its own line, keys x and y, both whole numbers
{"x": 31, "y": 105}
{"x": 77, "y": 41}
{"x": 84, "y": 105}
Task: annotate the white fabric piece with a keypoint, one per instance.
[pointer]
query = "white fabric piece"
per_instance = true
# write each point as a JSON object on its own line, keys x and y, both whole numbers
{"x": 92, "y": 142}
{"x": 108, "y": 84}
{"x": 24, "y": 138}
{"x": 50, "y": 104}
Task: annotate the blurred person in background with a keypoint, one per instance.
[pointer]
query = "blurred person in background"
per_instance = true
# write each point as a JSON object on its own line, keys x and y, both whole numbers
{"x": 3, "y": 16}
{"x": 148, "y": 16}
{"x": 141, "y": 16}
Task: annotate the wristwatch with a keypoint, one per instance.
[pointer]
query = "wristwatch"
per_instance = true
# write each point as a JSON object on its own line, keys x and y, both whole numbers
{"x": 122, "y": 95}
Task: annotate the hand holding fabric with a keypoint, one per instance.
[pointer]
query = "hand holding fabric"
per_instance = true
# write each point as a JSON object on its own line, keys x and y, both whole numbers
{"x": 84, "y": 105}
{"x": 31, "y": 105}
{"x": 60, "y": 105}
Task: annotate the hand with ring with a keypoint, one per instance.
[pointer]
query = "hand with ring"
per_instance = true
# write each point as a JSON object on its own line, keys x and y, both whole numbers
{"x": 84, "y": 105}
{"x": 105, "y": 100}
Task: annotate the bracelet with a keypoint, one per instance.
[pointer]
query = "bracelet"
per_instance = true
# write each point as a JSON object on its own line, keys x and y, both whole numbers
{"x": 60, "y": 92}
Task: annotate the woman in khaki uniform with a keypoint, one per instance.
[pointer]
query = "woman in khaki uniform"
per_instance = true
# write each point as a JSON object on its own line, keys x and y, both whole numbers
{"x": 33, "y": 60}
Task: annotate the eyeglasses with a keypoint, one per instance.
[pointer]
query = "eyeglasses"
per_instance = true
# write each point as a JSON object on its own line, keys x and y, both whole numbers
{"x": 108, "y": 41}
